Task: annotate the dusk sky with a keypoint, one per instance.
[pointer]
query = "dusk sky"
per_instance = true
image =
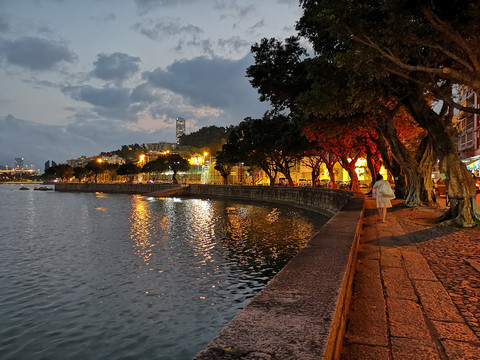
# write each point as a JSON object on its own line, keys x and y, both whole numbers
{"x": 81, "y": 77}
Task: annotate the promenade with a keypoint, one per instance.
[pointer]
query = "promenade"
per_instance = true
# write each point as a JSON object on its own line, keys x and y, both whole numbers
{"x": 416, "y": 289}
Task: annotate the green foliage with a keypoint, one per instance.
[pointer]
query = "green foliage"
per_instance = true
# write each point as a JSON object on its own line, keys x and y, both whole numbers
{"x": 60, "y": 171}
{"x": 273, "y": 143}
{"x": 80, "y": 173}
{"x": 279, "y": 72}
{"x": 176, "y": 163}
{"x": 129, "y": 169}
{"x": 211, "y": 137}
{"x": 130, "y": 153}
{"x": 158, "y": 165}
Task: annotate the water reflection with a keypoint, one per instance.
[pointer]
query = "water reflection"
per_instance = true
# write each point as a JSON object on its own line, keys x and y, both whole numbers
{"x": 260, "y": 239}
{"x": 140, "y": 229}
{"x": 201, "y": 227}
{"x": 120, "y": 276}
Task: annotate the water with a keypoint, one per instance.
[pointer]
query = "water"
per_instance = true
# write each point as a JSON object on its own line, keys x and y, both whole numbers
{"x": 100, "y": 276}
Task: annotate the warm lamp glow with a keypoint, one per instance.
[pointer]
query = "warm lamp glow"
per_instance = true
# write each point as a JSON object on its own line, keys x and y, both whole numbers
{"x": 99, "y": 160}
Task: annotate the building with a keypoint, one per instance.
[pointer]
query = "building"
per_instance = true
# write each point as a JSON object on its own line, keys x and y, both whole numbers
{"x": 160, "y": 146}
{"x": 468, "y": 126}
{"x": 180, "y": 128}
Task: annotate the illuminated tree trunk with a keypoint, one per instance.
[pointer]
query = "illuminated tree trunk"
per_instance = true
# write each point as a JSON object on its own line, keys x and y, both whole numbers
{"x": 426, "y": 161}
{"x": 330, "y": 160}
{"x": 393, "y": 166}
{"x": 349, "y": 166}
{"x": 460, "y": 183}
{"x": 406, "y": 161}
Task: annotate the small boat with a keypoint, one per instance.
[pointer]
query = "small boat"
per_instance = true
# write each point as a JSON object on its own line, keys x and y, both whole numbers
{"x": 24, "y": 188}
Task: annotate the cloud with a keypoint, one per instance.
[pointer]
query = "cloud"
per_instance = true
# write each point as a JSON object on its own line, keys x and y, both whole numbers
{"x": 104, "y": 18}
{"x": 145, "y": 6}
{"x": 234, "y": 43}
{"x": 116, "y": 67}
{"x": 109, "y": 102}
{"x": 166, "y": 28}
{"x": 38, "y": 143}
{"x": 4, "y": 25}
{"x": 35, "y": 53}
{"x": 109, "y": 97}
{"x": 217, "y": 83}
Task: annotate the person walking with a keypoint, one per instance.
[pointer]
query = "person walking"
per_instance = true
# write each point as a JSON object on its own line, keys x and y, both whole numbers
{"x": 383, "y": 193}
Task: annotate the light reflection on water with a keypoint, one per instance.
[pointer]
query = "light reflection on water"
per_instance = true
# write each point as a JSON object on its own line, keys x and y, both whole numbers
{"x": 102, "y": 276}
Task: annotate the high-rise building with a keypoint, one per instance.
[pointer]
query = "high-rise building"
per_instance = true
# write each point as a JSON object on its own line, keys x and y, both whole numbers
{"x": 19, "y": 163}
{"x": 180, "y": 128}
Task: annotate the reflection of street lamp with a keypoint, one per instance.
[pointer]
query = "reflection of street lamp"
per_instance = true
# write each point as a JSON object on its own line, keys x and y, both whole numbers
{"x": 206, "y": 168}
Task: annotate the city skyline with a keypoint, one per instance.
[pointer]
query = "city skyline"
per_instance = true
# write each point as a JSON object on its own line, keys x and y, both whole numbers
{"x": 81, "y": 78}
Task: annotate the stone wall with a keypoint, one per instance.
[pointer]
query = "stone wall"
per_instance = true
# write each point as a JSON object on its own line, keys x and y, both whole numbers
{"x": 124, "y": 188}
{"x": 325, "y": 201}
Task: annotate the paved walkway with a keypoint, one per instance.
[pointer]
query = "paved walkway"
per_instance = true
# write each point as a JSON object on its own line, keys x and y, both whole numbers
{"x": 416, "y": 289}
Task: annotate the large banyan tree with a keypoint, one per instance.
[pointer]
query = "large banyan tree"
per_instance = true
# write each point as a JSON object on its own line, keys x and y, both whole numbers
{"x": 415, "y": 52}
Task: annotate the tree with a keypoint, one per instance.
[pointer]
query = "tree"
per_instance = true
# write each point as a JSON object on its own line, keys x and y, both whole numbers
{"x": 273, "y": 143}
{"x": 95, "y": 168}
{"x": 224, "y": 163}
{"x": 80, "y": 173}
{"x": 156, "y": 166}
{"x": 128, "y": 169}
{"x": 130, "y": 153}
{"x": 211, "y": 137}
{"x": 61, "y": 171}
{"x": 409, "y": 50}
{"x": 251, "y": 143}
{"x": 279, "y": 71}
{"x": 176, "y": 163}
{"x": 110, "y": 170}
{"x": 313, "y": 160}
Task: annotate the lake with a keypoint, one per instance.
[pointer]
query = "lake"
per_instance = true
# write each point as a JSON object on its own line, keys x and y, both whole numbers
{"x": 112, "y": 276}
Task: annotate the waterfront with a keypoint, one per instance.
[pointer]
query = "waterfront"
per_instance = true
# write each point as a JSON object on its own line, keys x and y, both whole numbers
{"x": 117, "y": 276}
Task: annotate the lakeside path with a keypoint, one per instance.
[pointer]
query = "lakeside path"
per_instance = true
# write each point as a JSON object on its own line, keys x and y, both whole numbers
{"x": 416, "y": 289}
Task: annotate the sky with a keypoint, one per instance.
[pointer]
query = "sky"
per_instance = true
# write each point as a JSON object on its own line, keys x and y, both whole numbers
{"x": 81, "y": 77}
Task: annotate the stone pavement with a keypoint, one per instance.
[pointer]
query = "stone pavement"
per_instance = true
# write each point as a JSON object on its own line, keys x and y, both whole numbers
{"x": 416, "y": 289}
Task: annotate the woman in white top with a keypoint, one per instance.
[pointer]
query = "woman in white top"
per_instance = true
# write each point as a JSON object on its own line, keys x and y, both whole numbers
{"x": 383, "y": 193}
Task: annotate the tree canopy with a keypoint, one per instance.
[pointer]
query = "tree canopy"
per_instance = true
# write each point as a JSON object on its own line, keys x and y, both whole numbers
{"x": 211, "y": 137}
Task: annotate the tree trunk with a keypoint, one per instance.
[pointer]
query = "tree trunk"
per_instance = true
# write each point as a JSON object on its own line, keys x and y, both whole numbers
{"x": 331, "y": 175}
{"x": 371, "y": 166}
{"x": 460, "y": 185}
{"x": 283, "y": 165}
{"x": 349, "y": 166}
{"x": 426, "y": 163}
{"x": 314, "y": 177}
{"x": 272, "y": 174}
{"x": 393, "y": 166}
{"x": 406, "y": 161}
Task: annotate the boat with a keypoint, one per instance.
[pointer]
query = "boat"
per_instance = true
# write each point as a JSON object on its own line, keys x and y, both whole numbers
{"x": 24, "y": 188}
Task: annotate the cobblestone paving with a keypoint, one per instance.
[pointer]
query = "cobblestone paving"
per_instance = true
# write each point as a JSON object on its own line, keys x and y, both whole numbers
{"x": 416, "y": 289}
{"x": 454, "y": 256}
